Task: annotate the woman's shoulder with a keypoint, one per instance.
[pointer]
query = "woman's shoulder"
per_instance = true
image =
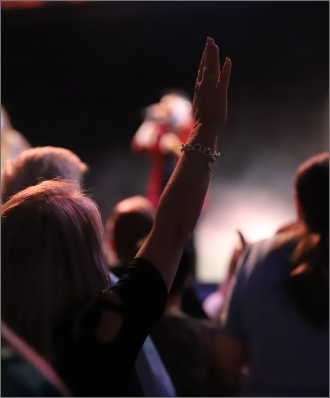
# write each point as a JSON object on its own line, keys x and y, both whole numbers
{"x": 142, "y": 289}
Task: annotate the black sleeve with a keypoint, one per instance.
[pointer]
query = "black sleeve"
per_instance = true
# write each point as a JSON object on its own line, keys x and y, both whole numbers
{"x": 144, "y": 296}
{"x": 142, "y": 288}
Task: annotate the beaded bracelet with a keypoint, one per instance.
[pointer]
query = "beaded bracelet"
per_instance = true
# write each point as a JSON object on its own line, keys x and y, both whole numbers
{"x": 215, "y": 157}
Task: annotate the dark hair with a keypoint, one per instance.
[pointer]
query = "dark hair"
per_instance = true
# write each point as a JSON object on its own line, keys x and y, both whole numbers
{"x": 185, "y": 269}
{"x": 129, "y": 224}
{"x": 53, "y": 265}
{"x": 309, "y": 277}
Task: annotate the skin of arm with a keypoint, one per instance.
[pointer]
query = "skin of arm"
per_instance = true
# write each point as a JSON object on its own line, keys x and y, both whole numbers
{"x": 183, "y": 197}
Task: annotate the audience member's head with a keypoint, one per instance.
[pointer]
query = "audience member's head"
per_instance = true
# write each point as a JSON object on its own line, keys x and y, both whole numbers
{"x": 53, "y": 265}
{"x": 184, "y": 273}
{"x": 173, "y": 109}
{"x": 129, "y": 225}
{"x": 37, "y": 164}
{"x": 5, "y": 120}
{"x": 12, "y": 142}
{"x": 309, "y": 278}
{"x": 312, "y": 192}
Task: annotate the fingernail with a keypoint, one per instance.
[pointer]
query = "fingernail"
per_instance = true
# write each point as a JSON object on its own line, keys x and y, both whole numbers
{"x": 227, "y": 59}
{"x": 209, "y": 40}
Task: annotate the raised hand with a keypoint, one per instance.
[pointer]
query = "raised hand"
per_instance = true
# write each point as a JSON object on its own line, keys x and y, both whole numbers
{"x": 183, "y": 197}
{"x": 210, "y": 98}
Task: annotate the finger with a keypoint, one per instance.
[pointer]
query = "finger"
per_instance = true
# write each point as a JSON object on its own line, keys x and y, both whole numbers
{"x": 219, "y": 68}
{"x": 241, "y": 237}
{"x": 212, "y": 65}
{"x": 201, "y": 67}
{"x": 225, "y": 76}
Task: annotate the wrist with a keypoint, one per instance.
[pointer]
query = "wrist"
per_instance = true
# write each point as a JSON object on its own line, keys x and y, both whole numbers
{"x": 209, "y": 128}
{"x": 213, "y": 157}
{"x": 204, "y": 134}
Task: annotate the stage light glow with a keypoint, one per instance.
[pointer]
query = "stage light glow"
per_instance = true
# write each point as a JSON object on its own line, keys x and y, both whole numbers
{"x": 254, "y": 211}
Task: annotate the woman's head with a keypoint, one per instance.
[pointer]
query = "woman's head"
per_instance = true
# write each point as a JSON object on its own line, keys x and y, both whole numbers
{"x": 38, "y": 164}
{"x": 309, "y": 276}
{"x": 52, "y": 260}
{"x": 312, "y": 192}
{"x": 126, "y": 241}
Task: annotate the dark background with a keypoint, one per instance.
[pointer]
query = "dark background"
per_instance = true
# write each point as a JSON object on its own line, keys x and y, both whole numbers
{"x": 78, "y": 76}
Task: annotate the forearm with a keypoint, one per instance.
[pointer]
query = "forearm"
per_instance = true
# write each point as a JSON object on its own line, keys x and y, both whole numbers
{"x": 179, "y": 206}
{"x": 183, "y": 197}
{"x": 184, "y": 194}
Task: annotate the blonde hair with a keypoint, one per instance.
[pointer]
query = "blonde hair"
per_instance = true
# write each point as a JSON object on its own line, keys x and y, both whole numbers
{"x": 53, "y": 265}
{"x": 37, "y": 164}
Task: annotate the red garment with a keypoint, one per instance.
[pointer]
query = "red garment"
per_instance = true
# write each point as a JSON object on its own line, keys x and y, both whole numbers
{"x": 155, "y": 179}
{"x": 154, "y": 185}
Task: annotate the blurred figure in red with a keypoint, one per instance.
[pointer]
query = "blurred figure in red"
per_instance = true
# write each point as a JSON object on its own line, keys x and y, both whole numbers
{"x": 166, "y": 126}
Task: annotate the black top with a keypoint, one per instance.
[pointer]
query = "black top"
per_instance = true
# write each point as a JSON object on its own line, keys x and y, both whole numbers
{"x": 90, "y": 368}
